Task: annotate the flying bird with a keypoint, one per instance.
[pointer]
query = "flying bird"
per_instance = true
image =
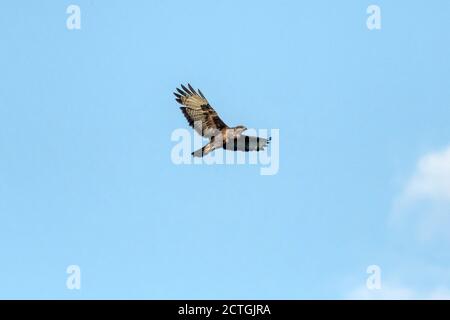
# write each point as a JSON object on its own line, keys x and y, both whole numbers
{"x": 207, "y": 123}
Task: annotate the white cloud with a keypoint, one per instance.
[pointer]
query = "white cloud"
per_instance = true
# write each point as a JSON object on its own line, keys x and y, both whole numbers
{"x": 385, "y": 293}
{"x": 396, "y": 292}
{"x": 431, "y": 181}
{"x": 424, "y": 203}
{"x": 421, "y": 213}
{"x": 440, "y": 293}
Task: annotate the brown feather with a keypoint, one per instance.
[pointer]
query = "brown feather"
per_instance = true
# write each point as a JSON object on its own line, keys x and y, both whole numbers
{"x": 199, "y": 114}
{"x": 186, "y": 90}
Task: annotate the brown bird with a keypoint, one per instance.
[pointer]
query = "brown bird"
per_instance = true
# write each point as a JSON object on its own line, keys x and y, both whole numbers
{"x": 206, "y": 122}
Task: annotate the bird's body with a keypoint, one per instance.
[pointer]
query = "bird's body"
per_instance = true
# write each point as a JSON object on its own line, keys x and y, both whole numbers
{"x": 206, "y": 122}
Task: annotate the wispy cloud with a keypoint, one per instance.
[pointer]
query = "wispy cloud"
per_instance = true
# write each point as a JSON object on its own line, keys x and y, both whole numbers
{"x": 388, "y": 292}
{"x": 424, "y": 203}
{"x": 420, "y": 214}
{"x": 399, "y": 292}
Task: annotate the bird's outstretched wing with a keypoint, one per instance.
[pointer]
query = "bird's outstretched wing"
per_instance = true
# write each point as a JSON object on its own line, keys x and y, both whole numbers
{"x": 247, "y": 143}
{"x": 199, "y": 114}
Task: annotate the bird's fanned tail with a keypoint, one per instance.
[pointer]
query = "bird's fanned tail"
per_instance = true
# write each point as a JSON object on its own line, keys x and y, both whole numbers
{"x": 247, "y": 143}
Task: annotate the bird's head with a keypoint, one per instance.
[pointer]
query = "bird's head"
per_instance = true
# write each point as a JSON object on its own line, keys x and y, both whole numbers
{"x": 240, "y": 129}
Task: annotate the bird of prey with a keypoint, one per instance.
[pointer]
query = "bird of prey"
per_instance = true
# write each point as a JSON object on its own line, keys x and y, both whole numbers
{"x": 206, "y": 122}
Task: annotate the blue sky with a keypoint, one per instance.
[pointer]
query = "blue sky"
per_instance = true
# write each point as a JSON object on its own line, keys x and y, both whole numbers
{"x": 86, "y": 176}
